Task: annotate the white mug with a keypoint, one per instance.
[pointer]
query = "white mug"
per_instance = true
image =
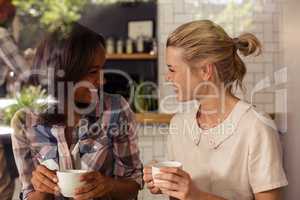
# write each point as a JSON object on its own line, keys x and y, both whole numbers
{"x": 156, "y": 168}
{"x": 69, "y": 180}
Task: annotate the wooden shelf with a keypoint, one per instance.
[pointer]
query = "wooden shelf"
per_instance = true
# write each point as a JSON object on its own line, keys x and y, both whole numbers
{"x": 153, "y": 118}
{"x": 162, "y": 118}
{"x": 135, "y": 56}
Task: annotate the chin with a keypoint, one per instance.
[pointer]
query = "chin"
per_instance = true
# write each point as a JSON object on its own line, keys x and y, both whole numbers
{"x": 83, "y": 99}
{"x": 180, "y": 98}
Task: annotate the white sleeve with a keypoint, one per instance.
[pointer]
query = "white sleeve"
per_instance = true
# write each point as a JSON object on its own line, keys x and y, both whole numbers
{"x": 265, "y": 159}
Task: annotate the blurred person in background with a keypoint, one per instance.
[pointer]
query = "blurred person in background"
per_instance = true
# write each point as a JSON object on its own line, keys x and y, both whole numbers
{"x": 12, "y": 63}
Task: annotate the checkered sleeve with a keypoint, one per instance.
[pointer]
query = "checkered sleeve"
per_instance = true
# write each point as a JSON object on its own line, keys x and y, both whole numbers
{"x": 11, "y": 56}
{"x": 22, "y": 154}
{"x": 125, "y": 147}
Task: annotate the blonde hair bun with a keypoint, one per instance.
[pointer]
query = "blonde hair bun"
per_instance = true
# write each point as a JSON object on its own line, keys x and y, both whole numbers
{"x": 204, "y": 40}
{"x": 248, "y": 44}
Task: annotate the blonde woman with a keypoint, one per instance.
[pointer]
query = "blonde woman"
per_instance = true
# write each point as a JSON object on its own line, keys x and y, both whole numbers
{"x": 227, "y": 149}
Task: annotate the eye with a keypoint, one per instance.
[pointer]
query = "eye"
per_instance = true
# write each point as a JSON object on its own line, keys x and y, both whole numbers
{"x": 93, "y": 71}
{"x": 171, "y": 70}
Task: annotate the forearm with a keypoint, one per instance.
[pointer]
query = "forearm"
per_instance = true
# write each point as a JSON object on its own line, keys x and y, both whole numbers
{"x": 208, "y": 196}
{"x": 40, "y": 196}
{"x": 123, "y": 189}
{"x": 204, "y": 196}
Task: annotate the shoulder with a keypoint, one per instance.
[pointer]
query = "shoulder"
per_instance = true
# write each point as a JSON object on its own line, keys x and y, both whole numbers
{"x": 258, "y": 120}
{"x": 117, "y": 106}
{"x": 3, "y": 32}
{"x": 23, "y": 119}
{"x": 19, "y": 117}
{"x": 114, "y": 101}
{"x": 260, "y": 127}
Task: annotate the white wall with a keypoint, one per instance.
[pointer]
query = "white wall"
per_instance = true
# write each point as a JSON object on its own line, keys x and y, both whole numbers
{"x": 152, "y": 143}
{"x": 290, "y": 46}
{"x": 260, "y": 17}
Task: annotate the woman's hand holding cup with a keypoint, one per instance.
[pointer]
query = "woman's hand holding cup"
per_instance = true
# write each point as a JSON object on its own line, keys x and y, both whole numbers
{"x": 148, "y": 178}
{"x": 173, "y": 181}
{"x": 96, "y": 185}
{"x": 44, "y": 180}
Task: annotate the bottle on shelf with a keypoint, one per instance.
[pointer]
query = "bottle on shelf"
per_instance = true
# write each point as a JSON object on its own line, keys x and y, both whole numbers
{"x": 129, "y": 46}
{"x": 110, "y": 45}
{"x": 140, "y": 44}
{"x": 154, "y": 47}
{"x": 120, "y": 46}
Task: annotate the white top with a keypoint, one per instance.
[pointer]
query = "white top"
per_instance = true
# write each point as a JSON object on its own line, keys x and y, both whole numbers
{"x": 239, "y": 157}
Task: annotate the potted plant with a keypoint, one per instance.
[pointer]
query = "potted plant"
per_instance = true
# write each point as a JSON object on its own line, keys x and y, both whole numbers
{"x": 27, "y": 98}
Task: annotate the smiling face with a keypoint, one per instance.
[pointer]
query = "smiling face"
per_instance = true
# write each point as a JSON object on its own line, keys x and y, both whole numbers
{"x": 180, "y": 74}
{"x": 190, "y": 82}
{"x": 94, "y": 77}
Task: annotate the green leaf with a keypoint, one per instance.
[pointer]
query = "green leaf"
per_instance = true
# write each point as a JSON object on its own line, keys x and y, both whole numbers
{"x": 27, "y": 98}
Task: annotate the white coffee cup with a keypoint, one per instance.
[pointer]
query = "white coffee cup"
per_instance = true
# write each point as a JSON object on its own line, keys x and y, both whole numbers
{"x": 69, "y": 180}
{"x": 156, "y": 168}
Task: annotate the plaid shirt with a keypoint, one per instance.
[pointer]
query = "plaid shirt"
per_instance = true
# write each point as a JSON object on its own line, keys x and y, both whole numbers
{"x": 112, "y": 151}
{"x": 6, "y": 184}
{"x": 10, "y": 58}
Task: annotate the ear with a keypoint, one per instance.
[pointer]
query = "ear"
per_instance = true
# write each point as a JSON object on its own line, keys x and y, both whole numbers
{"x": 206, "y": 71}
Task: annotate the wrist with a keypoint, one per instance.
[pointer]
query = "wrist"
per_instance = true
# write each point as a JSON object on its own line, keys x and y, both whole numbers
{"x": 36, "y": 195}
{"x": 110, "y": 186}
{"x": 202, "y": 195}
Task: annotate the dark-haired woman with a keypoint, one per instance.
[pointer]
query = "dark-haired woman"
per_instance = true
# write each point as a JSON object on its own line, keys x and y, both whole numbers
{"x": 84, "y": 129}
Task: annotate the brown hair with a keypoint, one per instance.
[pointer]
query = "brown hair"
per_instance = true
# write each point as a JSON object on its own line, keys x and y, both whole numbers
{"x": 68, "y": 52}
{"x": 7, "y": 12}
{"x": 204, "y": 40}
